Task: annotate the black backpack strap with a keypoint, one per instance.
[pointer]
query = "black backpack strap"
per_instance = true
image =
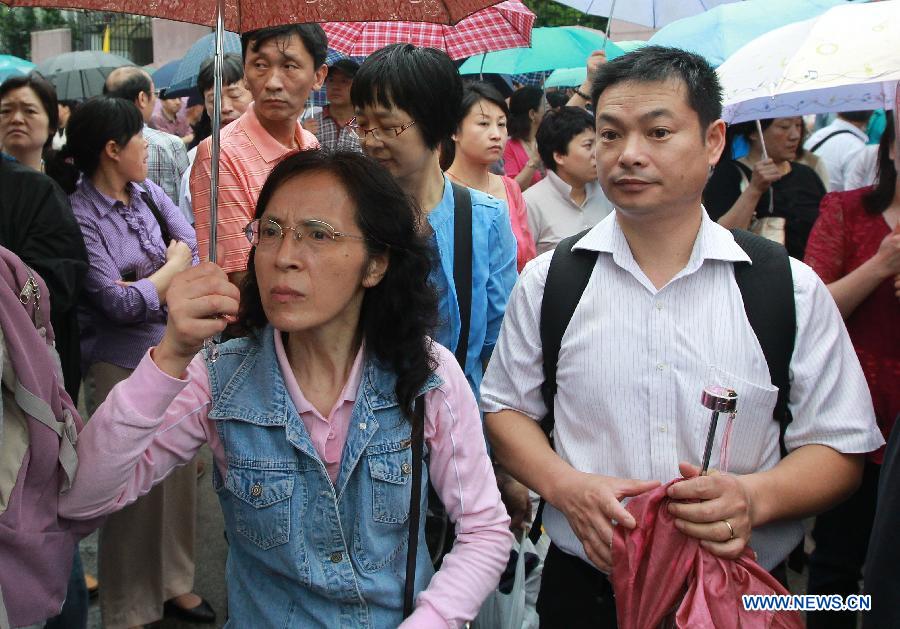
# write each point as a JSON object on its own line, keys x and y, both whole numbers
{"x": 567, "y": 278}
{"x": 163, "y": 227}
{"x": 415, "y": 503}
{"x": 767, "y": 288}
{"x": 462, "y": 266}
{"x": 815, "y": 147}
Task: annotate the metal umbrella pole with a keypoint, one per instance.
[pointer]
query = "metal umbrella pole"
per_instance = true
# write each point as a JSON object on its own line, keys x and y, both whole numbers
{"x": 612, "y": 10}
{"x": 210, "y": 344}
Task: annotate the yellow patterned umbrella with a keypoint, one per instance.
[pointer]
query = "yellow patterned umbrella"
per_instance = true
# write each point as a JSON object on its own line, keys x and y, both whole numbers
{"x": 847, "y": 59}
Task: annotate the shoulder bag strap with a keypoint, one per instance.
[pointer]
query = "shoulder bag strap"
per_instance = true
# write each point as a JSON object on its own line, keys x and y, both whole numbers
{"x": 462, "y": 266}
{"x": 767, "y": 288}
{"x": 415, "y": 504}
{"x": 567, "y": 278}
{"x": 815, "y": 147}
{"x": 163, "y": 227}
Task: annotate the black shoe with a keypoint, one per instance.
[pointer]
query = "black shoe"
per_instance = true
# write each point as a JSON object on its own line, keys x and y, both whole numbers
{"x": 202, "y": 613}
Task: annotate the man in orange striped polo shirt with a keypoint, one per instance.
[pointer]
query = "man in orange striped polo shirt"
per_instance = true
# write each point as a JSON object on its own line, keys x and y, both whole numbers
{"x": 282, "y": 65}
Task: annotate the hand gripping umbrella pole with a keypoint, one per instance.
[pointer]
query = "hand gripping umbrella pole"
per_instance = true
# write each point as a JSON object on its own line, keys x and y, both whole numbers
{"x": 209, "y": 345}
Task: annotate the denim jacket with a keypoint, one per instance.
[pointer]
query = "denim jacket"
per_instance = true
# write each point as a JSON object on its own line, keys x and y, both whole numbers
{"x": 304, "y": 552}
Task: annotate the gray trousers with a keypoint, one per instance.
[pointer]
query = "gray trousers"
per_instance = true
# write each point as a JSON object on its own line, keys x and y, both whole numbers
{"x": 146, "y": 550}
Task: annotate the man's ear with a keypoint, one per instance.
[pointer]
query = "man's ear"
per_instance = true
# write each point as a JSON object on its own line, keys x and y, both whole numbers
{"x": 375, "y": 269}
{"x": 321, "y": 73}
{"x": 715, "y": 141}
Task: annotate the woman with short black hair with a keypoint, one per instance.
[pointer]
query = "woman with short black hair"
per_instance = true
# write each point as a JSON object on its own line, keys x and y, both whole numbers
{"x": 310, "y": 416}
{"x": 137, "y": 241}
{"x": 407, "y": 101}
{"x": 29, "y": 116}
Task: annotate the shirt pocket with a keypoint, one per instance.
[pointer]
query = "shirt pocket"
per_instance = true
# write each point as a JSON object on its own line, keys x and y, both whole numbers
{"x": 390, "y": 468}
{"x": 262, "y": 507}
{"x": 753, "y": 441}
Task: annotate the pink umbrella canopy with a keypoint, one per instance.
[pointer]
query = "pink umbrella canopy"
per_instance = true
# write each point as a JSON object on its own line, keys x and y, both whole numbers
{"x": 502, "y": 26}
{"x": 247, "y": 15}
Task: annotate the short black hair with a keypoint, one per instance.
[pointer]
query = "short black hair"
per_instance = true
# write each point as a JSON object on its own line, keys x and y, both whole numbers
{"x": 311, "y": 34}
{"x": 232, "y": 72}
{"x": 557, "y": 130}
{"x": 347, "y": 67}
{"x": 473, "y": 93}
{"x": 133, "y": 81}
{"x": 423, "y": 82}
{"x": 856, "y": 116}
{"x": 522, "y": 101}
{"x": 557, "y": 99}
{"x": 652, "y": 64}
{"x": 400, "y": 311}
{"x": 45, "y": 92}
{"x": 94, "y": 123}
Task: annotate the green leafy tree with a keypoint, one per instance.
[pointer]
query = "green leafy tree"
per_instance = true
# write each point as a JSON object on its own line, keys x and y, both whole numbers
{"x": 16, "y": 25}
{"x": 550, "y": 13}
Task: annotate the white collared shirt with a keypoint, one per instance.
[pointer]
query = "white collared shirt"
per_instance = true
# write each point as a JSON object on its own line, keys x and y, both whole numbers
{"x": 553, "y": 215}
{"x": 634, "y": 360}
{"x": 839, "y": 151}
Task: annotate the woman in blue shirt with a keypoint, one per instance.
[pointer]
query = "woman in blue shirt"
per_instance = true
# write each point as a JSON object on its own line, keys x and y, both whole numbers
{"x": 407, "y": 100}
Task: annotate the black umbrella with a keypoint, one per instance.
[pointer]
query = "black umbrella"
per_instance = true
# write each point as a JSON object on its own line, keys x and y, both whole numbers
{"x": 80, "y": 75}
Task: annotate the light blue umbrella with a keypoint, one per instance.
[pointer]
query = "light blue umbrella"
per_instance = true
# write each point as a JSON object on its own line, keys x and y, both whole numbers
{"x": 718, "y": 33}
{"x": 552, "y": 47}
{"x": 13, "y": 66}
{"x": 185, "y": 78}
{"x": 573, "y": 77}
{"x": 566, "y": 77}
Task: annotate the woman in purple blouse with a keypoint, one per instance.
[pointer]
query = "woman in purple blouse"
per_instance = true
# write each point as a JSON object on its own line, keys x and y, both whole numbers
{"x": 137, "y": 241}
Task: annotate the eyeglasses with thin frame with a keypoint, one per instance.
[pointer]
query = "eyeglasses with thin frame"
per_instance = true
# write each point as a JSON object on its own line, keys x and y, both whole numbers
{"x": 379, "y": 133}
{"x": 264, "y": 233}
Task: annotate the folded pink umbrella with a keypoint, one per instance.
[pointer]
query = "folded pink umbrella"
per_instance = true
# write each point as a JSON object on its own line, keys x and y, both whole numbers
{"x": 502, "y": 26}
{"x": 660, "y": 571}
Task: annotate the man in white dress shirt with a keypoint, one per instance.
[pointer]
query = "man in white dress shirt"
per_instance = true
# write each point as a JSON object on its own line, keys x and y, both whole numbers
{"x": 661, "y": 316}
{"x": 569, "y": 199}
{"x": 838, "y": 144}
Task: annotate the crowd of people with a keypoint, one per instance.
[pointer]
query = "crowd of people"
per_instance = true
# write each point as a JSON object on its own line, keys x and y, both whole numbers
{"x": 385, "y": 274}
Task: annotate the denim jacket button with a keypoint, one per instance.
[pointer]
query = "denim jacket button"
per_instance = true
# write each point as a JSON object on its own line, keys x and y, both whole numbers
{"x": 337, "y": 557}
{"x": 406, "y": 468}
{"x": 256, "y": 490}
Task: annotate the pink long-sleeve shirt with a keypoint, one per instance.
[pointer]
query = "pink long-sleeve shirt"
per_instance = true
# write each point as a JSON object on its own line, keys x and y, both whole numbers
{"x": 152, "y": 423}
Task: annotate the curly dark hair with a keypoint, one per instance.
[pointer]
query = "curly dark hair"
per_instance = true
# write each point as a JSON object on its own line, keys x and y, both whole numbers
{"x": 400, "y": 312}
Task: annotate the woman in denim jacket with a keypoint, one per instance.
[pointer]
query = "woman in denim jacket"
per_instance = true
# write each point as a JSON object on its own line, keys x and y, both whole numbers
{"x": 309, "y": 415}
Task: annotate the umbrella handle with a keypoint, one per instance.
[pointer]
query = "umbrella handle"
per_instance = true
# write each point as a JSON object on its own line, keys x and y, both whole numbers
{"x": 765, "y": 155}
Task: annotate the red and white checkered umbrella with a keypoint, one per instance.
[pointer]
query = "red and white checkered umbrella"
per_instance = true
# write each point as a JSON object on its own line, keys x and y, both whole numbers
{"x": 502, "y": 26}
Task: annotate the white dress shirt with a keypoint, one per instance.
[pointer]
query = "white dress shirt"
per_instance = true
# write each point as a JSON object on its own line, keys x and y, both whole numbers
{"x": 838, "y": 151}
{"x": 634, "y": 360}
{"x": 863, "y": 169}
{"x": 553, "y": 215}
{"x": 184, "y": 198}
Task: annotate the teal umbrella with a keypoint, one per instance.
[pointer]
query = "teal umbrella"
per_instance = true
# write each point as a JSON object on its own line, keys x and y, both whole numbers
{"x": 552, "y": 47}
{"x": 720, "y": 32}
{"x": 13, "y": 66}
{"x": 566, "y": 77}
